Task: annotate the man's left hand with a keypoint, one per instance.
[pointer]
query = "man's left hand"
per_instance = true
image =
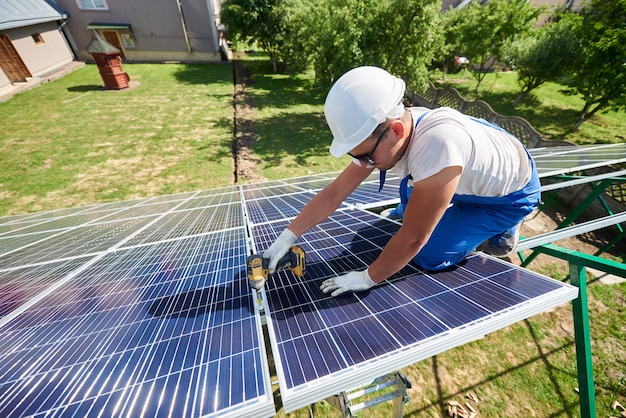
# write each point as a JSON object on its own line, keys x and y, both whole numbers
{"x": 355, "y": 281}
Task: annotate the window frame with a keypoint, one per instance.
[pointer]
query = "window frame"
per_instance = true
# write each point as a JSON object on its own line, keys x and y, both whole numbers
{"x": 91, "y": 5}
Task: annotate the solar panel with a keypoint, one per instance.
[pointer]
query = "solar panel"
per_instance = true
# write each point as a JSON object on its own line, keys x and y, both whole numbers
{"x": 553, "y": 161}
{"x": 323, "y": 345}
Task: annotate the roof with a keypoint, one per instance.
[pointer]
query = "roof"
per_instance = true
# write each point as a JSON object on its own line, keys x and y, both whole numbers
{"x": 20, "y": 13}
{"x": 100, "y": 46}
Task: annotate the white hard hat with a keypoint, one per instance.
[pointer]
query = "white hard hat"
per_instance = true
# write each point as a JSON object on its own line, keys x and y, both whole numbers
{"x": 358, "y": 102}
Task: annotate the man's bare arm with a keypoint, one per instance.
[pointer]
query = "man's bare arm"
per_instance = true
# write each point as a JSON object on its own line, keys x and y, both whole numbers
{"x": 428, "y": 202}
{"x": 324, "y": 203}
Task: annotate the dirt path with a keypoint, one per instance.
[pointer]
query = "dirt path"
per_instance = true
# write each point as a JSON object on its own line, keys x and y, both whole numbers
{"x": 245, "y": 135}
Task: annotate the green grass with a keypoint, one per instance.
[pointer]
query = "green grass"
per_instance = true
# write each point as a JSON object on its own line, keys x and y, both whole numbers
{"x": 547, "y": 108}
{"x": 293, "y": 137}
{"x": 68, "y": 143}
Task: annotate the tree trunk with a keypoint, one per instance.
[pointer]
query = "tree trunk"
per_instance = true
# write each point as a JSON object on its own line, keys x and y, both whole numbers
{"x": 581, "y": 117}
{"x": 522, "y": 94}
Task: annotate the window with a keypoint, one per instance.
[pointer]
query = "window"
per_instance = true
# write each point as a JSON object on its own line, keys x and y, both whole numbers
{"x": 127, "y": 40}
{"x": 37, "y": 38}
{"x": 93, "y": 4}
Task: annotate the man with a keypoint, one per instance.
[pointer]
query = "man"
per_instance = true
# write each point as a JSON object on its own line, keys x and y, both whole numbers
{"x": 472, "y": 182}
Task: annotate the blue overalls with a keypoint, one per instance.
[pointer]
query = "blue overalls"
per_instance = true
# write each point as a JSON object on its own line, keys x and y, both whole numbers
{"x": 471, "y": 220}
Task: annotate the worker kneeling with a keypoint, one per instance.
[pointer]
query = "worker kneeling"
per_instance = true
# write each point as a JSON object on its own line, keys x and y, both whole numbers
{"x": 465, "y": 182}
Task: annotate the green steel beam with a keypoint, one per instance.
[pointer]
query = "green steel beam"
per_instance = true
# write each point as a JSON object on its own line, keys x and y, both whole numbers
{"x": 582, "y": 337}
{"x": 596, "y": 192}
{"x": 578, "y": 258}
{"x": 577, "y": 263}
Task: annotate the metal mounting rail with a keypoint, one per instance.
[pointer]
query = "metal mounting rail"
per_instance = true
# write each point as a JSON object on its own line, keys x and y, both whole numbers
{"x": 570, "y": 231}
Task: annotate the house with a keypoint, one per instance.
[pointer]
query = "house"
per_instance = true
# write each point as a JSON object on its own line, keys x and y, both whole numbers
{"x": 148, "y": 30}
{"x": 31, "y": 41}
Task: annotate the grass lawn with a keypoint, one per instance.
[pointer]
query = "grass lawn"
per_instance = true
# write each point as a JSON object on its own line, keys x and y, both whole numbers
{"x": 67, "y": 143}
{"x": 293, "y": 137}
{"x": 547, "y": 108}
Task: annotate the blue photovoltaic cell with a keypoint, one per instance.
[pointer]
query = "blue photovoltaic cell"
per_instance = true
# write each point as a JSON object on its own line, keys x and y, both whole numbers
{"x": 277, "y": 207}
{"x": 251, "y": 193}
{"x": 411, "y": 311}
{"x": 191, "y": 222}
{"x": 160, "y": 330}
{"x": 76, "y": 241}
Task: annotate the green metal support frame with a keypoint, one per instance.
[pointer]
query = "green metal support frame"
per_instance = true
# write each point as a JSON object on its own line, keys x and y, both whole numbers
{"x": 577, "y": 263}
{"x": 597, "y": 190}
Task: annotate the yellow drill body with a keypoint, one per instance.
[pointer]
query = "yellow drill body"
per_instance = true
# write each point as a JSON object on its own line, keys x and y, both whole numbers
{"x": 257, "y": 266}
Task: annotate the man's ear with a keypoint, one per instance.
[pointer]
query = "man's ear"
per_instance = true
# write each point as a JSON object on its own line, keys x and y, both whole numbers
{"x": 398, "y": 128}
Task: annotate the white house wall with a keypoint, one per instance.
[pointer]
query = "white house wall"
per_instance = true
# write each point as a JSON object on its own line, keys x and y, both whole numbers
{"x": 43, "y": 58}
{"x": 156, "y": 28}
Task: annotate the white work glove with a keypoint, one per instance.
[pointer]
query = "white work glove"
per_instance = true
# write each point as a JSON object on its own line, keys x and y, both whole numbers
{"x": 279, "y": 248}
{"x": 355, "y": 281}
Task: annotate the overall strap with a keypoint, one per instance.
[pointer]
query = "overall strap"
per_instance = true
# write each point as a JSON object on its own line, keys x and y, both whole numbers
{"x": 383, "y": 173}
{"x": 404, "y": 186}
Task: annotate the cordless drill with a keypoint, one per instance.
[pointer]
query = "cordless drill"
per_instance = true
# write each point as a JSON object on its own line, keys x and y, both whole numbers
{"x": 257, "y": 266}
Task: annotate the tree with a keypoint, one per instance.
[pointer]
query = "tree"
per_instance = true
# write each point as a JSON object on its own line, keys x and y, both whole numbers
{"x": 483, "y": 31}
{"x": 337, "y": 35}
{"x": 600, "y": 76}
{"x": 260, "y": 21}
{"x": 549, "y": 54}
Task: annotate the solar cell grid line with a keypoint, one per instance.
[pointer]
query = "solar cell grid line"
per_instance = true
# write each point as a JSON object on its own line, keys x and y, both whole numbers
{"x": 74, "y": 241}
{"x": 227, "y": 190}
{"x": 81, "y": 240}
{"x": 169, "y": 329}
{"x": 12, "y": 243}
{"x": 368, "y": 195}
{"x": 19, "y": 285}
{"x": 270, "y": 191}
{"x": 324, "y": 345}
{"x": 208, "y": 200}
{"x": 277, "y": 207}
{"x": 91, "y": 218}
{"x": 288, "y": 206}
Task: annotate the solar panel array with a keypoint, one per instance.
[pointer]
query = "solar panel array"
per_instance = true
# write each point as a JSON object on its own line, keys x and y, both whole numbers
{"x": 135, "y": 309}
{"x": 142, "y": 308}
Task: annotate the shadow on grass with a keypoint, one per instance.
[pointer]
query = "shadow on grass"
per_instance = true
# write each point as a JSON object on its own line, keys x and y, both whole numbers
{"x": 288, "y": 115}
{"x": 85, "y": 88}
{"x": 205, "y": 73}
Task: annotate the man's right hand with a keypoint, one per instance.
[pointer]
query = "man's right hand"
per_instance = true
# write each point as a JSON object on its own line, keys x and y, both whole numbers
{"x": 279, "y": 248}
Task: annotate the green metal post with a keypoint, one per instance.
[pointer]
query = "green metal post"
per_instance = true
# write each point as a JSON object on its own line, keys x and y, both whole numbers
{"x": 596, "y": 190}
{"x": 583, "y": 342}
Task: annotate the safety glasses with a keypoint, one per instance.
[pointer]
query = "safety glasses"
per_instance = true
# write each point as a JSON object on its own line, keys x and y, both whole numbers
{"x": 367, "y": 158}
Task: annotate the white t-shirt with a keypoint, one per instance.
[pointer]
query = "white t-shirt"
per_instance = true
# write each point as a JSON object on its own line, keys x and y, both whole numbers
{"x": 493, "y": 162}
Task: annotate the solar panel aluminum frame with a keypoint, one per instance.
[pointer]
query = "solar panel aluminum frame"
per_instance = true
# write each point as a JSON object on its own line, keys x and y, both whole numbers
{"x": 361, "y": 374}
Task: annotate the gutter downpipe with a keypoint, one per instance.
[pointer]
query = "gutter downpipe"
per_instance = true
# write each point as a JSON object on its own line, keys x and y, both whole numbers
{"x": 182, "y": 22}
